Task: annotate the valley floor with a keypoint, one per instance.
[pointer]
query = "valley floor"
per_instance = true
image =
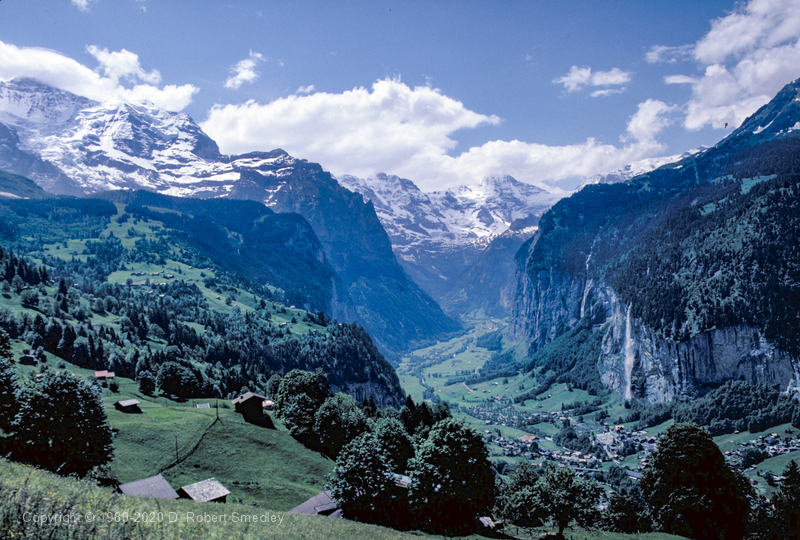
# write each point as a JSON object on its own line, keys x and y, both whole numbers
{"x": 510, "y": 425}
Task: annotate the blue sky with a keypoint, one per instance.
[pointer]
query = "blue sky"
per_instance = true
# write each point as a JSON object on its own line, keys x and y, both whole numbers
{"x": 439, "y": 92}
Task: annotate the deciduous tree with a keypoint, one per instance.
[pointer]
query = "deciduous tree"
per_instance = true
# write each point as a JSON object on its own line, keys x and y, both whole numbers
{"x": 359, "y": 482}
{"x": 337, "y": 422}
{"x": 691, "y": 490}
{"x": 299, "y": 396}
{"x": 394, "y": 439}
{"x": 62, "y": 424}
{"x": 563, "y": 497}
{"x": 452, "y": 483}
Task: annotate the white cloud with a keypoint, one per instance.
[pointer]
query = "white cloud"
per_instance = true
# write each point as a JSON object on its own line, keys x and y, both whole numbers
{"x": 607, "y": 92}
{"x": 745, "y": 58}
{"x": 122, "y": 64}
{"x": 57, "y": 70}
{"x": 670, "y": 55}
{"x": 679, "y": 79}
{"x": 244, "y": 71}
{"x": 356, "y": 131}
{"x": 305, "y": 89}
{"x": 82, "y": 5}
{"x": 577, "y": 78}
{"x": 649, "y": 121}
{"x": 408, "y": 131}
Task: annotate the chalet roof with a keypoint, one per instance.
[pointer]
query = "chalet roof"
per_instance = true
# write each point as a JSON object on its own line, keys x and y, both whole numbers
{"x": 104, "y": 374}
{"x": 155, "y": 486}
{"x": 322, "y": 503}
{"x": 489, "y": 523}
{"x": 205, "y": 491}
{"x": 128, "y": 403}
{"x": 268, "y": 403}
{"x": 248, "y": 396}
{"x": 400, "y": 480}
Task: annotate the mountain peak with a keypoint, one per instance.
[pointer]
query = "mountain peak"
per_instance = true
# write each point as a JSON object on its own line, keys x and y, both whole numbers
{"x": 778, "y": 118}
{"x": 28, "y": 100}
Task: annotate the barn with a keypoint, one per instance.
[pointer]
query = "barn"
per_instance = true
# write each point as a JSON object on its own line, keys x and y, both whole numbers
{"x": 128, "y": 406}
{"x": 206, "y": 491}
{"x": 251, "y": 406}
{"x": 155, "y": 486}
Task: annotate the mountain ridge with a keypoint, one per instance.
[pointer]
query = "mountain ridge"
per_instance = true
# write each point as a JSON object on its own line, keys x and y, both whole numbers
{"x": 92, "y": 147}
{"x": 436, "y": 235}
{"x": 686, "y": 270}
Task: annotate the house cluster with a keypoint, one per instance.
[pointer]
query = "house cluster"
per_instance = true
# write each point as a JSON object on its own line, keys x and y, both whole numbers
{"x": 157, "y": 487}
{"x": 526, "y": 446}
{"x": 772, "y": 445}
{"x": 152, "y": 274}
{"x": 615, "y": 438}
{"x": 576, "y": 460}
{"x": 509, "y": 416}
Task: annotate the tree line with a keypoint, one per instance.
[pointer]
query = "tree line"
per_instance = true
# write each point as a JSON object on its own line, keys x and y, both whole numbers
{"x": 419, "y": 468}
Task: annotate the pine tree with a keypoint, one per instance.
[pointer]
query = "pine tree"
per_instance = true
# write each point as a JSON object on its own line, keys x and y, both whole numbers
{"x": 8, "y": 392}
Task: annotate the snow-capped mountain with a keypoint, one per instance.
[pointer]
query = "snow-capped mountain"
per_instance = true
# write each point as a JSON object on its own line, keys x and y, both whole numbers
{"x": 71, "y": 145}
{"x": 108, "y": 145}
{"x": 437, "y": 235}
{"x": 635, "y": 168}
{"x": 449, "y": 219}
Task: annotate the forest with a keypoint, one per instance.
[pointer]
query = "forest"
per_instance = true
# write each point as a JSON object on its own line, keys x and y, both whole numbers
{"x": 169, "y": 325}
{"x": 691, "y": 247}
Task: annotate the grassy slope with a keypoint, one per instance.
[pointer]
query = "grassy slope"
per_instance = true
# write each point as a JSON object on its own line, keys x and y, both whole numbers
{"x": 259, "y": 466}
{"x": 26, "y": 491}
{"x": 180, "y": 271}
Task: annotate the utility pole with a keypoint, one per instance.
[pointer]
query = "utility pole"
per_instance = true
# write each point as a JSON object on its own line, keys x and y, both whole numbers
{"x": 176, "y": 449}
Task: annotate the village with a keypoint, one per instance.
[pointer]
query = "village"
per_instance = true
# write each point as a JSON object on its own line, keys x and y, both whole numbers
{"x": 615, "y": 441}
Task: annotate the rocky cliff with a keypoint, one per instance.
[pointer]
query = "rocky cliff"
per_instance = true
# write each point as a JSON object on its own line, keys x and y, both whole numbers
{"x": 689, "y": 271}
{"x": 636, "y": 360}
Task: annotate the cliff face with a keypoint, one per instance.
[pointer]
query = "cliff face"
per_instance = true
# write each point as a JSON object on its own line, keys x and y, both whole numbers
{"x": 689, "y": 271}
{"x": 546, "y": 301}
{"x": 634, "y": 360}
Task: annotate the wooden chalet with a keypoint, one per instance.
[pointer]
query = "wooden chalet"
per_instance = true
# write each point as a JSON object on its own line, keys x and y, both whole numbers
{"x": 103, "y": 375}
{"x": 251, "y": 406}
{"x": 128, "y": 406}
{"x": 155, "y": 486}
{"x": 28, "y": 360}
{"x": 319, "y": 505}
{"x": 206, "y": 491}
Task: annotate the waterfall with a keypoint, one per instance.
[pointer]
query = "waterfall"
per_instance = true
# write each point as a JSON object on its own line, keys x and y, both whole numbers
{"x": 629, "y": 355}
{"x": 586, "y": 290}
